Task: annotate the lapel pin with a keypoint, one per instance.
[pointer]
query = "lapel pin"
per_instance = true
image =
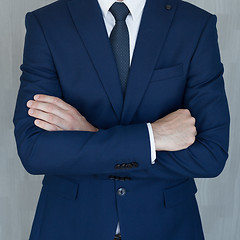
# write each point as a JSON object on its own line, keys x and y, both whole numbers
{"x": 168, "y": 7}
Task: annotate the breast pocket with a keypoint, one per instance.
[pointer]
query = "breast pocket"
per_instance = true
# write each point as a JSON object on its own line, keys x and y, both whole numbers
{"x": 171, "y": 72}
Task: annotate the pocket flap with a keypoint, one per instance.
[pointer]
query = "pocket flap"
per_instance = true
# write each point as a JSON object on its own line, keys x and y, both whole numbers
{"x": 180, "y": 192}
{"x": 61, "y": 186}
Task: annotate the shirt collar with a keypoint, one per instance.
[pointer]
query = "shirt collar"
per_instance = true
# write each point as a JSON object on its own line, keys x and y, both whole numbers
{"x": 135, "y": 6}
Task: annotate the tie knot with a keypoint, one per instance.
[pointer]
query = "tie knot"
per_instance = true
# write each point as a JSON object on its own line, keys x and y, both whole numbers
{"x": 119, "y": 10}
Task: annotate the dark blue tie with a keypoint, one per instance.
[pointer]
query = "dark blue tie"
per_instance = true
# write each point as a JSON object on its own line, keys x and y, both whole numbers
{"x": 119, "y": 39}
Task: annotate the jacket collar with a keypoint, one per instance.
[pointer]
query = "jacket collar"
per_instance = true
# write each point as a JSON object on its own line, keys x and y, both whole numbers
{"x": 135, "y": 6}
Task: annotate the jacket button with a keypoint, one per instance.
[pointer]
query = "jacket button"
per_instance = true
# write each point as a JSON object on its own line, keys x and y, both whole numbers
{"x": 121, "y": 191}
{"x": 168, "y": 7}
{"x": 111, "y": 177}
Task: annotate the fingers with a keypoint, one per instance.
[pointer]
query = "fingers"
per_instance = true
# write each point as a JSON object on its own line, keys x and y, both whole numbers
{"x": 195, "y": 131}
{"x": 47, "y": 117}
{"x": 53, "y": 100}
{"x": 50, "y": 111}
{"x": 36, "y": 107}
{"x": 46, "y": 126}
{"x": 53, "y": 113}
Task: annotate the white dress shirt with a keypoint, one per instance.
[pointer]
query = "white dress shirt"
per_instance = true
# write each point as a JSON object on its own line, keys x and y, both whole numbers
{"x": 133, "y": 22}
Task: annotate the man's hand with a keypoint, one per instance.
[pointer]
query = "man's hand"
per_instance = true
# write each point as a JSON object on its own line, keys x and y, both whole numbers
{"x": 54, "y": 114}
{"x": 175, "y": 131}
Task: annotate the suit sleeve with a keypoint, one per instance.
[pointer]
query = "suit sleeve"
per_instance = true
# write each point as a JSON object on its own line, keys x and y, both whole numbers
{"x": 68, "y": 152}
{"x": 206, "y": 99}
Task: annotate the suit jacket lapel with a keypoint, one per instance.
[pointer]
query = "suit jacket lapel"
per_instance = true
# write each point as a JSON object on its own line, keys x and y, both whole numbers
{"x": 89, "y": 22}
{"x": 155, "y": 23}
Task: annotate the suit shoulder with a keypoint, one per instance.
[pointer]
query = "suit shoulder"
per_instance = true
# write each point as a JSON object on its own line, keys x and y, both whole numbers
{"x": 52, "y": 14}
{"x": 193, "y": 12}
{"x": 50, "y": 9}
{"x": 192, "y": 16}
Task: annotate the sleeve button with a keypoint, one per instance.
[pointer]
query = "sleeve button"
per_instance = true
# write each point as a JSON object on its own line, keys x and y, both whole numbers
{"x": 123, "y": 165}
{"x": 134, "y": 164}
{"x": 118, "y": 166}
{"x": 129, "y": 165}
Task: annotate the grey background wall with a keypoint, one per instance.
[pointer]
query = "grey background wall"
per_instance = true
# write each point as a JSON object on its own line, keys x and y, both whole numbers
{"x": 218, "y": 198}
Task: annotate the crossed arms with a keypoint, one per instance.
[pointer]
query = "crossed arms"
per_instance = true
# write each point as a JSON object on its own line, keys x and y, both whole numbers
{"x": 83, "y": 149}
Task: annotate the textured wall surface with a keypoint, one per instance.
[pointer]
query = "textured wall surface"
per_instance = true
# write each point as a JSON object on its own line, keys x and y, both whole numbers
{"x": 218, "y": 198}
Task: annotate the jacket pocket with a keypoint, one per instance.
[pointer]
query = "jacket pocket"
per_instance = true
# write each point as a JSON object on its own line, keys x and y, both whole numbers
{"x": 179, "y": 193}
{"x": 167, "y": 73}
{"x": 61, "y": 186}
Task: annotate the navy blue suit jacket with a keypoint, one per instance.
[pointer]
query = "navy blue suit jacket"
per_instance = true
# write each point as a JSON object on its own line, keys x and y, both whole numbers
{"x": 176, "y": 64}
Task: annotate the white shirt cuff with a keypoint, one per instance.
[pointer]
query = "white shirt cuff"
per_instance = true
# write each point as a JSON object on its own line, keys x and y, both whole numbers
{"x": 152, "y": 143}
